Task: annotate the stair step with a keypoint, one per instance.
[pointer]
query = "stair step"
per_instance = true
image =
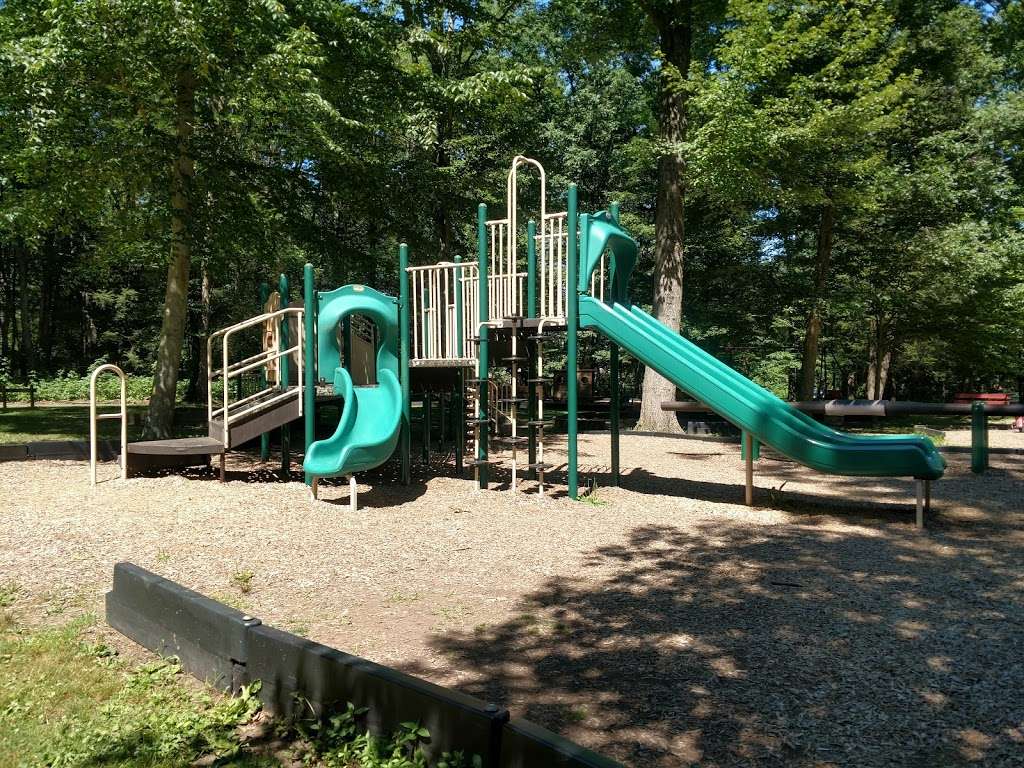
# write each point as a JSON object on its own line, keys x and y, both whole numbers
{"x": 540, "y": 465}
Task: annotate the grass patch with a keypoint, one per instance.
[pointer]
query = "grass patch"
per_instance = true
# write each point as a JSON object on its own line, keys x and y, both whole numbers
{"x": 69, "y": 703}
{"x": 71, "y": 422}
{"x": 66, "y": 702}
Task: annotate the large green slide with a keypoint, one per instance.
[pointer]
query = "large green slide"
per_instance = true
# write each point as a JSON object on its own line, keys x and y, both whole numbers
{"x": 368, "y": 430}
{"x": 731, "y": 395}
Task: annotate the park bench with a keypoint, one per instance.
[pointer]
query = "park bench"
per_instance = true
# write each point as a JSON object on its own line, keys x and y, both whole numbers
{"x": 988, "y": 398}
{"x": 6, "y": 389}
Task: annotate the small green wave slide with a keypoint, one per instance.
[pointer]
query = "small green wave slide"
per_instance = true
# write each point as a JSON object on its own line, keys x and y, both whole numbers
{"x": 367, "y": 433}
{"x": 754, "y": 409}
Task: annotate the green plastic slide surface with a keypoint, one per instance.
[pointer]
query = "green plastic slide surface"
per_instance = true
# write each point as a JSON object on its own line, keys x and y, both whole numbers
{"x": 753, "y": 408}
{"x": 368, "y": 430}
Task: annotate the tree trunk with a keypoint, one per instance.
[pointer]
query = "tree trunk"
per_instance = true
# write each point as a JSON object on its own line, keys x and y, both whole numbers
{"x": 676, "y": 33}
{"x": 204, "y": 334}
{"x": 812, "y": 336}
{"x": 172, "y": 330}
{"x": 28, "y": 362}
{"x": 879, "y": 358}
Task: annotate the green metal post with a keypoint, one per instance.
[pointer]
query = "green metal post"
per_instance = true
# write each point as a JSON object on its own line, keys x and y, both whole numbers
{"x": 285, "y": 368}
{"x": 403, "y": 324}
{"x": 309, "y": 382}
{"x": 481, "y": 374}
{"x": 460, "y": 351}
{"x": 616, "y": 387}
{"x": 979, "y": 437}
{"x": 346, "y": 335}
{"x": 571, "y": 332}
{"x": 265, "y": 437}
{"x": 426, "y": 427}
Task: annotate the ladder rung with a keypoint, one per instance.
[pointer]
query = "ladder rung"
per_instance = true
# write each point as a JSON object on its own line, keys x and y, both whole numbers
{"x": 538, "y": 423}
{"x": 517, "y": 440}
{"x": 511, "y": 399}
{"x": 542, "y": 380}
{"x": 477, "y": 421}
{"x": 106, "y": 416}
{"x": 514, "y": 358}
{"x": 540, "y": 465}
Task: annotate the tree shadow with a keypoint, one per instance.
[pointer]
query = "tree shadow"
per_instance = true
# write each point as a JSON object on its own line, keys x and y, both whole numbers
{"x": 778, "y": 645}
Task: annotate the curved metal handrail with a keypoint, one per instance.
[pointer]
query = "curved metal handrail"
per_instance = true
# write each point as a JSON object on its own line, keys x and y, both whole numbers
{"x": 94, "y": 418}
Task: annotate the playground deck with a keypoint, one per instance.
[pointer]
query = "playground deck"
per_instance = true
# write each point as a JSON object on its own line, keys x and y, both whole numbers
{"x": 663, "y": 623}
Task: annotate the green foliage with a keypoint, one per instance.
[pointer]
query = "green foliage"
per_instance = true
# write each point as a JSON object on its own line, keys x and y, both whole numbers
{"x": 67, "y": 702}
{"x": 329, "y": 132}
{"x": 342, "y": 741}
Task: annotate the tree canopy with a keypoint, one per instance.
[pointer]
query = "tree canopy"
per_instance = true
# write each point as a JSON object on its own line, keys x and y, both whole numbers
{"x": 828, "y": 195}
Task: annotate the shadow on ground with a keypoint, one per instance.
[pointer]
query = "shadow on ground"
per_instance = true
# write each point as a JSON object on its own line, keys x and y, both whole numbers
{"x": 789, "y": 645}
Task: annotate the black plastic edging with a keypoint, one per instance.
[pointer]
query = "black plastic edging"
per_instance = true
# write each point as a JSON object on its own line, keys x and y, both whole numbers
{"x": 299, "y": 674}
{"x": 227, "y": 649}
{"x": 209, "y": 638}
{"x": 527, "y": 745}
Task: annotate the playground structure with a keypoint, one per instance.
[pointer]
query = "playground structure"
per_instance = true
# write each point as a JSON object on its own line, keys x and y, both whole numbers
{"x": 481, "y": 328}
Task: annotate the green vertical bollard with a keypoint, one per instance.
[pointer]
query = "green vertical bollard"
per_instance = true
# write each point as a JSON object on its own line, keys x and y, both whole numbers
{"x": 571, "y": 332}
{"x": 285, "y": 367}
{"x": 264, "y": 437}
{"x": 309, "y": 361}
{"x": 979, "y": 437}
{"x": 426, "y": 427}
{"x": 403, "y": 324}
{"x": 613, "y": 359}
{"x": 481, "y": 374}
{"x": 531, "y": 268}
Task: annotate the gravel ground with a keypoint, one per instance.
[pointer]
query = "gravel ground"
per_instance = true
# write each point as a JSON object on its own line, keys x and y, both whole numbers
{"x": 662, "y": 623}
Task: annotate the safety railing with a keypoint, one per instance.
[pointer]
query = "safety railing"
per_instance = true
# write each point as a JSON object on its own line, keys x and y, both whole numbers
{"x": 231, "y": 412}
{"x": 444, "y": 304}
{"x": 94, "y": 418}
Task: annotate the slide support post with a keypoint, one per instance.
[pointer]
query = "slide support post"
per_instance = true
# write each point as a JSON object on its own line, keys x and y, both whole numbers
{"x": 482, "y": 363}
{"x": 265, "y": 437}
{"x": 309, "y": 381}
{"x": 923, "y": 489}
{"x": 571, "y": 332}
{"x": 749, "y": 441}
{"x": 285, "y": 342}
{"x": 405, "y": 447}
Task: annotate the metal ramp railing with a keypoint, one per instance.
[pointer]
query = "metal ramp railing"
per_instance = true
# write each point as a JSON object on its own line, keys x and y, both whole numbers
{"x": 267, "y": 396}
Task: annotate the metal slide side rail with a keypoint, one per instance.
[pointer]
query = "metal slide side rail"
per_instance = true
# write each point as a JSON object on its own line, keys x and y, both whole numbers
{"x": 230, "y": 412}
{"x": 94, "y": 418}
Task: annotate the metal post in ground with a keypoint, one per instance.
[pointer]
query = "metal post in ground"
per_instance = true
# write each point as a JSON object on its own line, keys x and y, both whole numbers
{"x": 571, "y": 333}
{"x": 285, "y": 368}
{"x": 979, "y": 437}
{"x": 482, "y": 364}
{"x": 403, "y": 324}
{"x": 265, "y": 436}
{"x": 309, "y": 374}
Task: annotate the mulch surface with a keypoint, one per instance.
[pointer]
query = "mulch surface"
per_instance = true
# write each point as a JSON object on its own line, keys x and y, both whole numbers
{"x": 662, "y": 623}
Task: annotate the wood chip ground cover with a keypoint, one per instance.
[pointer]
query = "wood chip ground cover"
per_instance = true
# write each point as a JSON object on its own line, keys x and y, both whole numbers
{"x": 664, "y": 624}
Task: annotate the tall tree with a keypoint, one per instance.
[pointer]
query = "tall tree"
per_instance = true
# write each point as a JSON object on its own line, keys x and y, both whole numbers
{"x": 686, "y": 31}
{"x": 806, "y": 91}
